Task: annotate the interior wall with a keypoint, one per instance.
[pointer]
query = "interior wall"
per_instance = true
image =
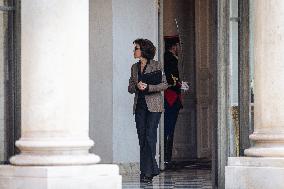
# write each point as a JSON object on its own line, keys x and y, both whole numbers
{"x": 101, "y": 78}
{"x": 131, "y": 19}
{"x": 114, "y": 25}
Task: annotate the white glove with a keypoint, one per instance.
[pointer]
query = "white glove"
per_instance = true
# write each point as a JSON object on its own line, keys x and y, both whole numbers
{"x": 184, "y": 86}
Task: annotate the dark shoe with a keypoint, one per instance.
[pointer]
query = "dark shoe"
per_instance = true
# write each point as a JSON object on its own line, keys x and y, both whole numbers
{"x": 147, "y": 179}
{"x": 170, "y": 166}
{"x": 142, "y": 177}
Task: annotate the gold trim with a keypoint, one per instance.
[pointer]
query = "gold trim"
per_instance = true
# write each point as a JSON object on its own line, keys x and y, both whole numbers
{"x": 235, "y": 120}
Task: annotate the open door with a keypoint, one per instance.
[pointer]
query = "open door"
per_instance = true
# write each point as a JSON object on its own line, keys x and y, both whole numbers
{"x": 204, "y": 77}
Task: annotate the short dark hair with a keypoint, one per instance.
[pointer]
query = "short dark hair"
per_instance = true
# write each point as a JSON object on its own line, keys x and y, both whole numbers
{"x": 171, "y": 41}
{"x": 148, "y": 50}
{"x": 169, "y": 45}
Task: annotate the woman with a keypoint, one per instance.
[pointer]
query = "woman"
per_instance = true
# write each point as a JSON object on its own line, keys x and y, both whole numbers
{"x": 147, "y": 81}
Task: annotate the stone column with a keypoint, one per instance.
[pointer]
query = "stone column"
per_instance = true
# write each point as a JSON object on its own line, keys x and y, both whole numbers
{"x": 55, "y": 84}
{"x": 55, "y": 102}
{"x": 264, "y": 168}
{"x": 268, "y": 136}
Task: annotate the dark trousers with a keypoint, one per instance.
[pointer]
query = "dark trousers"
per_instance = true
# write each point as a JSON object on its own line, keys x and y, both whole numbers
{"x": 170, "y": 119}
{"x": 146, "y": 125}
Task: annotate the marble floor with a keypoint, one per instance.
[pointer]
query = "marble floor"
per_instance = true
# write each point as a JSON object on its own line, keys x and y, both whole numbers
{"x": 189, "y": 175}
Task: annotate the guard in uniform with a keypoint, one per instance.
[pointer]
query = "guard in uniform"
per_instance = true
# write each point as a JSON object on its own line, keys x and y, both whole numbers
{"x": 172, "y": 101}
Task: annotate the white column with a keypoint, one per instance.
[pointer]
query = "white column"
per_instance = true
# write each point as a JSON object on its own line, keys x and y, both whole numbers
{"x": 55, "y": 102}
{"x": 264, "y": 165}
{"x": 268, "y": 136}
{"x": 55, "y": 83}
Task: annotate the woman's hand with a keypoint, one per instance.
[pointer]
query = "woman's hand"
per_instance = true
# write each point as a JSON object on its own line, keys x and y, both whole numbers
{"x": 141, "y": 86}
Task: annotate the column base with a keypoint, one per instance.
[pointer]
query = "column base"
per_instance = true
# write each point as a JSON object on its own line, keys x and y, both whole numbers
{"x": 54, "y": 152}
{"x": 254, "y": 172}
{"x": 98, "y": 176}
{"x": 54, "y": 160}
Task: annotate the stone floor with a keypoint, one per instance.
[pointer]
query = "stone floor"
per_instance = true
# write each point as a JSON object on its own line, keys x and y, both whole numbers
{"x": 185, "y": 175}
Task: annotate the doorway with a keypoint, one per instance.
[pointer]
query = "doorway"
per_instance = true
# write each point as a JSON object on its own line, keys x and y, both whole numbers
{"x": 195, "y": 138}
{"x": 193, "y": 21}
{"x": 212, "y": 35}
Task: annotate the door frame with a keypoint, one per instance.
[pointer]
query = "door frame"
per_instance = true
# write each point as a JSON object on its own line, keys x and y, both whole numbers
{"x": 161, "y": 51}
{"x": 223, "y": 109}
{"x": 12, "y": 95}
{"x": 244, "y": 76}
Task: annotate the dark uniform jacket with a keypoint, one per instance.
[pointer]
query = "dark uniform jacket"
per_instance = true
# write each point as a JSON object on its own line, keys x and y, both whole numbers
{"x": 171, "y": 69}
{"x": 172, "y": 94}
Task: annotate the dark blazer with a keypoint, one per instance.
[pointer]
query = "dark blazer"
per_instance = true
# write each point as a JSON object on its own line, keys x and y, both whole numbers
{"x": 154, "y": 98}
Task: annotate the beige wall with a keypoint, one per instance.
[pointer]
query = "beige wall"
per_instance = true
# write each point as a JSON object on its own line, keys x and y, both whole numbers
{"x": 101, "y": 78}
{"x": 132, "y": 19}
